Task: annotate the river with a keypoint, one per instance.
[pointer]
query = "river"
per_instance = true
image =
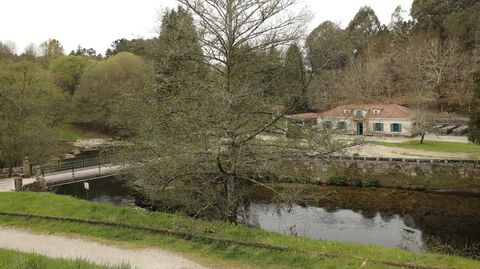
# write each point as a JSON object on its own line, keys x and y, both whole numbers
{"x": 392, "y": 218}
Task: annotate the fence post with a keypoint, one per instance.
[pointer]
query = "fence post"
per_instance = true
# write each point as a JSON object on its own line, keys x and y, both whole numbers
{"x": 27, "y": 168}
{"x": 18, "y": 183}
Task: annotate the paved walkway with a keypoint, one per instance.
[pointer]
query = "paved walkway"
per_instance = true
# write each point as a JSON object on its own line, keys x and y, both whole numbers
{"x": 8, "y": 185}
{"x": 86, "y": 172}
{"x": 68, "y": 248}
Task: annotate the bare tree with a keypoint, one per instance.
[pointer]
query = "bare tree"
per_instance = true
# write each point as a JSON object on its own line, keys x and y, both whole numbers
{"x": 206, "y": 142}
{"x": 433, "y": 62}
{"x": 423, "y": 123}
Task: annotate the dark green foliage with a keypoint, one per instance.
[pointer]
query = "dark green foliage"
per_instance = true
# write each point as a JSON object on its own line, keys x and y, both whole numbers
{"x": 463, "y": 25}
{"x": 364, "y": 25}
{"x": 85, "y": 52}
{"x": 141, "y": 47}
{"x": 327, "y": 47}
{"x": 474, "y": 125}
{"x": 178, "y": 59}
{"x": 293, "y": 79}
{"x": 66, "y": 71}
{"x": 430, "y": 15}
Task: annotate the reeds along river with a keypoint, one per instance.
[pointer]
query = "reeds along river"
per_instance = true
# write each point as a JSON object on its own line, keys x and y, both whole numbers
{"x": 392, "y": 218}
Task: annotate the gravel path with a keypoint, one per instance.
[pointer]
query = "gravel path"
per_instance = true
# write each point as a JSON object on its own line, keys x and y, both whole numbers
{"x": 371, "y": 150}
{"x": 63, "y": 247}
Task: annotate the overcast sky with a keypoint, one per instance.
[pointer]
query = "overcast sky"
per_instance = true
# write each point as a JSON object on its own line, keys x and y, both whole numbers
{"x": 97, "y": 23}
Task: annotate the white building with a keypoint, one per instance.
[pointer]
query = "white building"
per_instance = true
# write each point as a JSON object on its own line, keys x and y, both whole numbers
{"x": 369, "y": 119}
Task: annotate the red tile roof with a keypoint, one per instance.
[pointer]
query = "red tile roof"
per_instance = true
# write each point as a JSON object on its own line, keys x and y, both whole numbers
{"x": 387, "y": 111}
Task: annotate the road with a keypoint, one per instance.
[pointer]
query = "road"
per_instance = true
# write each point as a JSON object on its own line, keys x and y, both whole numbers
{"x": 63, "y": 247}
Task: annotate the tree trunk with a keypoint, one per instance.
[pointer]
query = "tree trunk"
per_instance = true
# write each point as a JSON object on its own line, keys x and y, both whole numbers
{"x": 423, "y": 137}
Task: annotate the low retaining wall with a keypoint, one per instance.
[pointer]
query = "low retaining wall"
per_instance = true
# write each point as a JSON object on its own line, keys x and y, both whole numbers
{"x": 389, "y": 172}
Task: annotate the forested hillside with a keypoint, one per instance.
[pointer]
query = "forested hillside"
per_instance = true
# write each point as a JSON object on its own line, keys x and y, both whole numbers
{"x": 426, "y": 60}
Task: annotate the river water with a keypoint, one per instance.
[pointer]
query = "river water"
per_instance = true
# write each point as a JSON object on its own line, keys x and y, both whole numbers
{"x": 390, "y": 218}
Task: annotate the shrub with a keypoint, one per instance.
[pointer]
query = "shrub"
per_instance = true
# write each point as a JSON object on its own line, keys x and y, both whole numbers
{"x": 337, "y": 181}
{"x": 373, "y": 182}
{"x": 357, "y": 182}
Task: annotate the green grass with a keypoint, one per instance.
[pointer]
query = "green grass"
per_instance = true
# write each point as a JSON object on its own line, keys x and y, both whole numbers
{"x": 440, "y": 146}
{"x": 17, "y": 260}
{"x": 69, "y": 133}
{"x": 213, "y": 255}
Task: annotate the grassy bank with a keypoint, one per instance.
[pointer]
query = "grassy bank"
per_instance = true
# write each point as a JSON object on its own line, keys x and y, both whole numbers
{"x": 17, "y": 260}
{"x": 214, "y": 255}
{"x": 439, "y": 146}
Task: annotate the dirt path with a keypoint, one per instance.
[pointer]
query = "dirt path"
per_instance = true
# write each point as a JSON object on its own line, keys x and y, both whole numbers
{"x": 63, "y": 247}
{"x": 371, "y": 150}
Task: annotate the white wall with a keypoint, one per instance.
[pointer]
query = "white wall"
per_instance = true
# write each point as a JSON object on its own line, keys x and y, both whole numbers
{"x": 368, "y": 125}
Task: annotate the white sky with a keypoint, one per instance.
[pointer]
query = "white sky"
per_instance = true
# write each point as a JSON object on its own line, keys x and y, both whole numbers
{"x": 97, "y": 23}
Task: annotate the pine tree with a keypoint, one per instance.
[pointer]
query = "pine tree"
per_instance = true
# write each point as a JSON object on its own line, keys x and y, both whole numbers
{"x": 178, "y": 55}
{"x": 293, "y": 78}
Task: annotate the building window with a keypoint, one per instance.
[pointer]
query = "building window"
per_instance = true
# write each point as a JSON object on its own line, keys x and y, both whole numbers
{"x": 396, "y": 128}
{"x": 378, "y": 127}
{"x": 342, "y": 125}
{"x": 328, "y": 125}
{"x": 359, "y": 113}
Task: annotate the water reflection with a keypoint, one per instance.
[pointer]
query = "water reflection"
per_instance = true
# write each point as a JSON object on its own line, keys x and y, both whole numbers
{"x": 106, "y": 191}
{"x": 341, "y": 225}
{"x": 383, "y": 217}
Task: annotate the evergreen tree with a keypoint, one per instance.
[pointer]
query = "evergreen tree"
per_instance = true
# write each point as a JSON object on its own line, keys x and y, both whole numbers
{"x": 178, "y": 55}
{"x": 294, "y": 79}
{"x": 431, "y": 14}
{"x": 327, "y": 47}
{"x": 364, "y": 25}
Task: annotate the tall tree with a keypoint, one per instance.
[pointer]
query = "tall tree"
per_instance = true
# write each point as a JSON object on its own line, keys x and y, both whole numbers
{"x": 66, "y": 72}
{"x": 178, "y": 57}
{"x": 463, "y": 27}
{"x": 474, "y": 125}
{"x": 294, "y": 79}
{"x": 205, "y": 144}
{"x": 51, "y": 49}
{"x": 28, "y": 112}
{"x": 6, "y": 51}
{"x": 111, "y": 94}
{"x": 363, "y": 27}
{"x": 327, "y": 47}
{"x": 430, "y": 14}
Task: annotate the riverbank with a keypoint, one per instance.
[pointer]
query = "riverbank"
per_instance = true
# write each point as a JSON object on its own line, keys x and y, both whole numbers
{"x": 53, "y": 246}
{"x": 302, "y": 253}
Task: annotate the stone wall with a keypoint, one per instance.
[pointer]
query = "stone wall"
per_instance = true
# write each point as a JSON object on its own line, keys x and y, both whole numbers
{"x": 389, "y": 172}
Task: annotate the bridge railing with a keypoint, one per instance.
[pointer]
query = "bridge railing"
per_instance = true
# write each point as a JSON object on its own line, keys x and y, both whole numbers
{"x": 73, "y": 165}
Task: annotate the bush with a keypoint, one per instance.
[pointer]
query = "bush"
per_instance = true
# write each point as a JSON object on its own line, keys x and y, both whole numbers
{"x": 357, "y": 182}
{"x": 337, "y": 181}
{"x": 373, "y": 182}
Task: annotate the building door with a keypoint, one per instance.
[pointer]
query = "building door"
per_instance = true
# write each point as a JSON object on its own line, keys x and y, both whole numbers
{"x": 359, "y": 128}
